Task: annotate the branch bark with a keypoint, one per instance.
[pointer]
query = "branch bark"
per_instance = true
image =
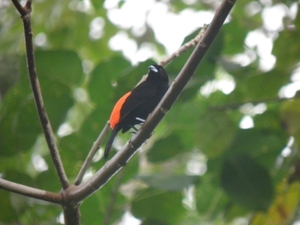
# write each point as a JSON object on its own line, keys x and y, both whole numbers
{"x": 30, "y": 192}
{"x": 35, "y": 86}
{"x": 72, "y": 215}
{"x": 121, "y": 158}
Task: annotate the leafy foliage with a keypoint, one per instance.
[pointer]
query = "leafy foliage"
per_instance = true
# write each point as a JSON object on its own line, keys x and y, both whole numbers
{"x": 200, "y": 166}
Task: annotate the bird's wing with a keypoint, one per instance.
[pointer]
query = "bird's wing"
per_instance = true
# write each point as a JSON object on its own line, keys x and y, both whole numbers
{"x": 142, "y": 93}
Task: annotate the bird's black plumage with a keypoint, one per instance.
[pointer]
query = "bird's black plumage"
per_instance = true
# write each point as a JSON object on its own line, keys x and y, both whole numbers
{"x": 140, "y": 102}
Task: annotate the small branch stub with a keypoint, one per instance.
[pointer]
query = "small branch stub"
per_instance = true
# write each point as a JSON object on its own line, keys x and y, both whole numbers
{"x": 163, "y": 110}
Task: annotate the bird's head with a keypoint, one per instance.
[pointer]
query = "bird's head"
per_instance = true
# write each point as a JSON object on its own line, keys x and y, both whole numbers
{"x": 157, "y": 73}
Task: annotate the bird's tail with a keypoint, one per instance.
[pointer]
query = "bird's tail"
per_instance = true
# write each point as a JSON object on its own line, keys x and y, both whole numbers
{"x": 110, "y": 141}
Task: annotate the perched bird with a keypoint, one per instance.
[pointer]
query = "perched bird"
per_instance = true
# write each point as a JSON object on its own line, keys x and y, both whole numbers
{"x": 135, "y": 106}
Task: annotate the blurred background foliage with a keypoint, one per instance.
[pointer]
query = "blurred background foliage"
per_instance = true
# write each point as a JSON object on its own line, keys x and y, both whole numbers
{"x": 226, "y": 153}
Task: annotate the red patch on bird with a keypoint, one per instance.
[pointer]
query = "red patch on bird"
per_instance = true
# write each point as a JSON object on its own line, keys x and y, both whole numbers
{"x": 116, "y": 112}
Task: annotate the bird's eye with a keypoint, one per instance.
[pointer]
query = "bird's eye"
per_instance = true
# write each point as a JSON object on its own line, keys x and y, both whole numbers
{"x": 152, "y": 68}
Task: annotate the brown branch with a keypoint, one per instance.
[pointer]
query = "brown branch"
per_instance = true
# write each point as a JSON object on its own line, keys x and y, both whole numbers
{"x": 35, "y": 86}
{"x": 30, "y": 192}
{"x": 120, "y": 159}
{"x": 28, "y": 4}
{"x": 23, "y": 12}
{"x": 72, "y": 215}
{"x": 91, "y": 154}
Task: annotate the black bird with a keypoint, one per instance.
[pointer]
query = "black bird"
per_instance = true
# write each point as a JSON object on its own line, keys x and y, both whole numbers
{"x": 135, "y": 106}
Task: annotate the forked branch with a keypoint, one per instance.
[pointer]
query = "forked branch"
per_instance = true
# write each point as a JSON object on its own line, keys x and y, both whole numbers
{"x": 121, "y": 158}
{"x": 71, "y": 196}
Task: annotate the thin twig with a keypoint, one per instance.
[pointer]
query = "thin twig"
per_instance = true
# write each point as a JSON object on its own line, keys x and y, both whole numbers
{"x": 28, "y": 4}
{"x": 185, "y": 47}
{"x": 91, "y": 154}
{"x": 39, "y": 102}
{"x": 30, "y": 192}
{"x": 19, "y": 7}
{"x": 120, "y": 159}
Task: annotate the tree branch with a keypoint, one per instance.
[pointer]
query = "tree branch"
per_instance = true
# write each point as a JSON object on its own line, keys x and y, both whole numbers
{"x": 91, "y": 154}
{"x": 72, "y": 215}
{"x": 185, "y": 47}
{"x": 30, "y": 192}
{"x": 23, "y": 12}
{"x": 120, "y": 159}
{"x": 35, "y": 86}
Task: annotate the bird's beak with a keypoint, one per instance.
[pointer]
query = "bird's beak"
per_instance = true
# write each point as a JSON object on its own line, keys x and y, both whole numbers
{"x": 152, "y": 68}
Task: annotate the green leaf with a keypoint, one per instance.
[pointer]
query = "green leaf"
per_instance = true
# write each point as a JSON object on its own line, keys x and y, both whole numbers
{"x": 8, "y": 213}
{"x": 159, "y": 206}
{"x": 257, "y": 143}
{"x": 247, "y": 183}
{"x": 269, "y": 120}
{"x": 91, "y": 216}
{"x": 62, "y": 66}
{"x": 17, "y": 176}
{"x": 19, "y": 124}
{"x": 182, "y": 119}
{"x": 234, "y": 34}
{"x": 42, "y": 181}
{"x": 287, "y": 201}
{"x": 289, "y": 114}
{"x": 215, "y": 131}
{"x": 102, "y": 77}
{"x": 168, "y": 182}
{"x": 107, "y": 204}
{"x": 59, "y": 72}
{"x": 16, "y": 204}
{"x": 9, "y": 73}
{"x": 210, "y": 199}
{"x": 132, "y": 169}
{"x": 265, "y": 85}
{"x": 75, "y": 147}
{"x": 165, "y": 148}
{"x": 97, "y": 4}
{"x": 287, "y": 55}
